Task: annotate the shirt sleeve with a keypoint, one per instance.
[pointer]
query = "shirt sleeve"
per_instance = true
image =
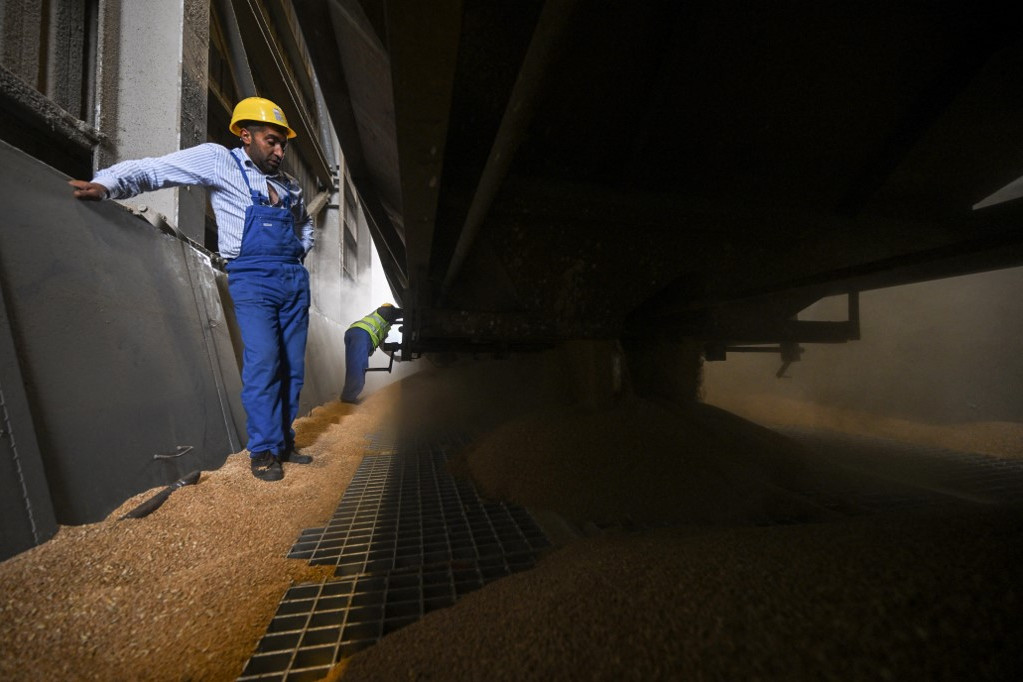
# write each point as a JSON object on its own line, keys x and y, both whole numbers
{"x": 305, "y": 222}
{"x": 307, "y": 235}
{"x": 192, "y": 166}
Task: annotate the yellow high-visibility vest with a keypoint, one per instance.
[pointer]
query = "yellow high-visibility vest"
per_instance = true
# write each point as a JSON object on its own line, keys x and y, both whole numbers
{"x": 377, "y": 327}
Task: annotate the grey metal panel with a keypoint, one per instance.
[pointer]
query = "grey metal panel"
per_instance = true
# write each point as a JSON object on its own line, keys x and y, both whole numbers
{"x": 113, "y": 342}
{"x": 223, "y": 346}
{"x": 26, "y": 511}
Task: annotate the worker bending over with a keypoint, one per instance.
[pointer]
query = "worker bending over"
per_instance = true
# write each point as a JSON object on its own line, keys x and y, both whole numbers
{"x": 361, "y": 339}
{"x": 264, "y": 235}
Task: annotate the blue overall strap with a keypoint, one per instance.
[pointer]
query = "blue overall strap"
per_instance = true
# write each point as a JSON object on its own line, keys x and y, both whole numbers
{"x": 258, "y": 198}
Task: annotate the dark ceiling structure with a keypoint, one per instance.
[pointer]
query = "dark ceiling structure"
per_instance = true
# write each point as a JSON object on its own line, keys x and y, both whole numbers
{"x": 536, "y": 171}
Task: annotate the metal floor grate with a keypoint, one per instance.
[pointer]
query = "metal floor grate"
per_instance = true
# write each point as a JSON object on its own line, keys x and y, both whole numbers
{"x": 406, "y": 539}
{"x": 402, "y": 511}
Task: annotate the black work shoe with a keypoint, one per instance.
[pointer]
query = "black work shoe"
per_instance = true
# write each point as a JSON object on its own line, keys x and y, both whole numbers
{"x": 266, "y": 467}
{"x": 295, "y": 457}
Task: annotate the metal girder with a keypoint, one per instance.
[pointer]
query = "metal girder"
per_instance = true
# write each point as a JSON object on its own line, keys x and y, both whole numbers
{"x": 327, "y": 25}
{"x": 264, "y": 53}
{"x": 423, "y": 40}
{"x": 280, "y": 18}
{"x": 796, "y": 331}
{"x": 554, "y": 20}
{"x": 482, "y": 327}
{"x": 983, "y": 254}
{"x": 314, "y": 17}
{"x": 658, "y": 173}
{"x": 240, "y": 70}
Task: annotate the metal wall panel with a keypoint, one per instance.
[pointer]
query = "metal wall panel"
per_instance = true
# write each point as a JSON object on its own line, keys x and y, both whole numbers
{"x": 335, "y": 305}
{"x": 223, "y": 340}
{"x": 120, "y": 339}
{"x": 26, "y": 511}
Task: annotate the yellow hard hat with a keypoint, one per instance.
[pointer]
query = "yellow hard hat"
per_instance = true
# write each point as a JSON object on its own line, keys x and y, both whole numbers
{"x": 259, "y": 110}
{"x": 386, "y": 305}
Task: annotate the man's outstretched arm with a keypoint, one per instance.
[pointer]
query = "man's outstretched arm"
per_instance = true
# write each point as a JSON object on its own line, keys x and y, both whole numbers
{"x": 193, "y": 166}
{"x": 88, "y": 191}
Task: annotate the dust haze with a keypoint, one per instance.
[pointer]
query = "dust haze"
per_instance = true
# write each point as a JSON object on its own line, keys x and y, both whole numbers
{"x": 361, "y": 299}
{"x": 944, "y": 354}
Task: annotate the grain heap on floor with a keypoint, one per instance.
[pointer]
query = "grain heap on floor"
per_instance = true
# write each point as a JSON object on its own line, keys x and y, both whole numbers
{"x": 714, "y": 594}
{"x": 186, "y": 592}
{"x": 725, "y": 591}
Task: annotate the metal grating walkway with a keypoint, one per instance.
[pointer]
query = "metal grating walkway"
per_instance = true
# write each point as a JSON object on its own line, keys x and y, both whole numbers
{"x": 406, "y": 539}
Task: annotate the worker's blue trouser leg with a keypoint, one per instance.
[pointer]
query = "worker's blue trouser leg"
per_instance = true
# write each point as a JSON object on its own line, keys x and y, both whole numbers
{"x": 358, "y": 346}
{"x": 271, "y": 302}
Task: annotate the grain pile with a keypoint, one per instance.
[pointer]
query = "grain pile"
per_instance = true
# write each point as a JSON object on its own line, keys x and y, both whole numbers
{"x": 642, "y": 462}
{"x": 187, "y": 592}
{"x": 911, "y": 597}
{"x": 1003, "y": 439}
{"x": 724, "y": 591}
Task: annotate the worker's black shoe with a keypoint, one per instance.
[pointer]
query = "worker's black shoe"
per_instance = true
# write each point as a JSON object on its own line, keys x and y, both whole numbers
{"x": 294, "y": 456}
{"x": 266, "y": 467}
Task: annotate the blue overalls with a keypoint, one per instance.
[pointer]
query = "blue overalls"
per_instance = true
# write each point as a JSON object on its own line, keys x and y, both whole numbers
{"x": 270, "y": 289}
{"x": 360, "y": 343}
{"x": 358, "y": 348}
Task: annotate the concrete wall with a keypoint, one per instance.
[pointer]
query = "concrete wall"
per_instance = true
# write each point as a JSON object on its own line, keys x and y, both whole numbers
{"x": 336, "y": 303}
{"x": 153, "y": 86}
{"x": 328, "y": 315}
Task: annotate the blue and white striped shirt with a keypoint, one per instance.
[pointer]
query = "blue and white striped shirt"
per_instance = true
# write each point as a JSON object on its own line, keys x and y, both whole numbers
{"x": 209, "y": 165}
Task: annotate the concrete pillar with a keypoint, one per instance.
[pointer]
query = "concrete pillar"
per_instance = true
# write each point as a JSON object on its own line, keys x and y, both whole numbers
{"x": 153, "y": 93}
{"x": 20, "y": 28}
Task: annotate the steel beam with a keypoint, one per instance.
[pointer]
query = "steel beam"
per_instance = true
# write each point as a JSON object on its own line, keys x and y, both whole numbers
{"x": 261, "y": 45}
{"x": 343, "y": 45}
{"x": 553, "y": 21}
{"x": 423, "y": 39}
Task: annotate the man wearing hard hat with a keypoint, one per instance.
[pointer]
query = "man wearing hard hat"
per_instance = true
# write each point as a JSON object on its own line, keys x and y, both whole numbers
{"x": 361, "y": 339}
{"x": 264, "y": 234}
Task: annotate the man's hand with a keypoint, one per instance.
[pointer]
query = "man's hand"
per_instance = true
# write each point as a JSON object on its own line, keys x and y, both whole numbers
{"x": 88, "y": 191}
